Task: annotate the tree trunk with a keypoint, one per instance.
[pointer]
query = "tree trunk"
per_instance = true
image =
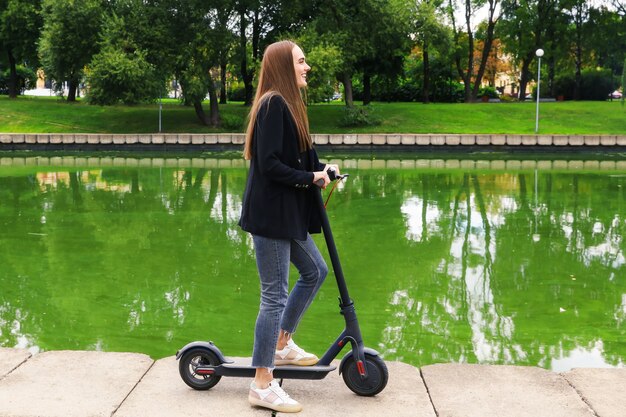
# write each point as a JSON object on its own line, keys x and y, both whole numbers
{"x": 71, "y": 90}
{"x": 468, "y": 88}
{"x": 491, "y": 24}
{"x": 214, "y": 107}
{"x": 223, "y": 98}
{"x": 524, "y": 76}
{"x": 579, "y": 19}
{"x": 204, "y": 119}
{"x": 426, "y": 75}
{"x": 551, "y": 75}
{"x": 551, "y": 34}
{"x": 367, "y": 89}
{"x": 465, "y": 76}
{"x": 483, "y": 64}
{"x": 470, "y": 55}
{"x": 12, "y": 75}
{"x": 256, "y": 34}
{"x": 578, "y": 76}
{"x": 347, "y": 90}
{"x": 243, "y": 42}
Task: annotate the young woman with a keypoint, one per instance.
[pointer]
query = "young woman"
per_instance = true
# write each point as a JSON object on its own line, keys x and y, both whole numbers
{"x": 279, "y": 211}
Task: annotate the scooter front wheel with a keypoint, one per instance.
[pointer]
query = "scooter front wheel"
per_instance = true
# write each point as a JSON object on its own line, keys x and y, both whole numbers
{"x": 188, "y": 366}
{"x": 377, "y": 375}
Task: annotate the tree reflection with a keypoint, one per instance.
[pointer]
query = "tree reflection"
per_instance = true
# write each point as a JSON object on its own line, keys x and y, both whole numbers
{"x": 109, "y": 257}
{"x": 524, "y": 301}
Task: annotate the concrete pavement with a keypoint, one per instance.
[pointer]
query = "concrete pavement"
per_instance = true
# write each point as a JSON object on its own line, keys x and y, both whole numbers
{"x": 90, "y": 384}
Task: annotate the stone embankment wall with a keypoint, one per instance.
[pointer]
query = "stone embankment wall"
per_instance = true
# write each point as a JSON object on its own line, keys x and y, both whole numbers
{"x": 163, "y": 141}
{"x": 209, "y": 162}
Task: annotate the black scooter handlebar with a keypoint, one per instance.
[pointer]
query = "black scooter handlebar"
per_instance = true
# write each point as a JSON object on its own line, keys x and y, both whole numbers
{"x": 332, "y": 174}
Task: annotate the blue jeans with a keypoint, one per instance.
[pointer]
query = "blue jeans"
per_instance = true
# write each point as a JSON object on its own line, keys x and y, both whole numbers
{"x": 280, "y": 309}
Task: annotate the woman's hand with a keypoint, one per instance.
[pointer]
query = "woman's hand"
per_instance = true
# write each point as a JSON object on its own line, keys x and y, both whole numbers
{"x": 321, "y": 179}
{"x": 334, "y": 167}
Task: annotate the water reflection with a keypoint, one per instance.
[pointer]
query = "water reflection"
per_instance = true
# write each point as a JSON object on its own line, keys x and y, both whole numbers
{"x": 522, "y": 266}
{"x": 492, "y": 238}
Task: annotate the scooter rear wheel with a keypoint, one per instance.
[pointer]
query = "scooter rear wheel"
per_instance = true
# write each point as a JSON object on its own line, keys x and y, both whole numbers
{"x": 377, "y": 375}
{"x": 189, "y": 363}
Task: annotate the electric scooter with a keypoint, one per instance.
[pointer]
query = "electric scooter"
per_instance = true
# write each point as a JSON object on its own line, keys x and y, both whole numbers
{"x": 202, "y": 364}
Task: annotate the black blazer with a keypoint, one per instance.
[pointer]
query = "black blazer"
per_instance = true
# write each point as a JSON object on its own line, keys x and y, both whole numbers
{"x": 279, "y": 200}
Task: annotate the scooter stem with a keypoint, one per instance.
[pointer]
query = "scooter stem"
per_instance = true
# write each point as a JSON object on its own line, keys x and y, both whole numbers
{"x": 332, "y": 251}
{"x": 352, "y": 332}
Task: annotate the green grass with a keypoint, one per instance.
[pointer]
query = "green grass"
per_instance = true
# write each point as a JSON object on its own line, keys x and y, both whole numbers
{"x": 52, "y": 115}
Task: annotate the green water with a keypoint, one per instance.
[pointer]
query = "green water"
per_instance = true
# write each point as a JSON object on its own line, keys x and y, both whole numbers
{"x": 508, "y": 262}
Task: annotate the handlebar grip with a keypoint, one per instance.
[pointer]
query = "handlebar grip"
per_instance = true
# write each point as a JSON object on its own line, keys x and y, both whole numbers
{"x": 332, "y": 175}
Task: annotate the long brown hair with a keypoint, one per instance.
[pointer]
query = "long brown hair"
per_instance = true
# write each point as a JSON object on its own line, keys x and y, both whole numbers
{"x": 278, "y": 77}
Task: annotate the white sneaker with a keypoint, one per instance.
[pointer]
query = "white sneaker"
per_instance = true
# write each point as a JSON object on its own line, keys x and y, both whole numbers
{"x": 292, "y": 354}
{"x": 274, "y": 398}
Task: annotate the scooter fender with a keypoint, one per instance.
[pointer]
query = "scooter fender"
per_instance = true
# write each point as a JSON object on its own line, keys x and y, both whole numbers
{"x": 351, "y": 353}
{"x": 207, "y": 345}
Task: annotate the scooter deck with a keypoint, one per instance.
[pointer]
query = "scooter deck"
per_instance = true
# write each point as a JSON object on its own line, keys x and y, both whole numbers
{"x": 244, "y": 369}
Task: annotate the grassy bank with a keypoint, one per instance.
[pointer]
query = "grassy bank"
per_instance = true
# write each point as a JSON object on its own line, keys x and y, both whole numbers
{"x": 51, "y": 115}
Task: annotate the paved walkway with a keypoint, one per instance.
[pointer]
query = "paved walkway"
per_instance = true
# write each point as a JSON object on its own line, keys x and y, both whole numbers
{"x": 86, "y": 384}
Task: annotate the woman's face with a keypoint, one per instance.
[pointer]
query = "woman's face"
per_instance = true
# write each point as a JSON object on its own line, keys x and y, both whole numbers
{"x": 300, "y": 66}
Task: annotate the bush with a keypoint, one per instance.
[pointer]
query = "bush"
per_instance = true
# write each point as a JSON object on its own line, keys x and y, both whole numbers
{"x": 403, "y": 92}
{"x": 564, "y": 85}
{"x": 411, "y": 91}
{"x": 26, "y": 79}
{"x": 231, "y": 122}
{"x": 320, "y": 94}
{"x": 490, "y": 92}
{"x": 359, "y": 116}
{"x": 595, "y": 84}
{"x": 448, "y": 92}
{"x": 237, "y": 93}
{"x": 544, "y": 91}
{"x": 117, "y": 76}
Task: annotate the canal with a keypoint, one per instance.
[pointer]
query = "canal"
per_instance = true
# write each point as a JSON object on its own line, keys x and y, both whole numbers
{"x": 485, "y": 258}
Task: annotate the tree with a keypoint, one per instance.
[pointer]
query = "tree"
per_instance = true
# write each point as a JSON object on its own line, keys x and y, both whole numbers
{"x": 324, "y": 58}
{"x": 150, "y": 27}
{"x": 430, "y": 33}
{"x": 464, "y": 40}
{"x": 494, "y": 65}
{"x": 247, "y": 73}
{"x": 20, "y": 23}
{"x": 554, "y": 41}
{"x": 225, "y": 19}
{"x": 522, "y": 31}
{"x": 388, "y": 41}
{"x": 578, "y": 12}
{"x": 333, "y": 22}
{"x": 607, "y": 24}
{"x": 69, "y": 40}
{"x": 492, "y": 19}
{"x": 368, "y": 33}
{"x": 120, "y": 71}
{"x": 260, "y": 23}
{"x": 194, "y": 28}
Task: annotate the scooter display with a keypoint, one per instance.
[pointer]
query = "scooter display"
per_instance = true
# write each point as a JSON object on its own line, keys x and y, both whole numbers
{"x": 202, "y": 364}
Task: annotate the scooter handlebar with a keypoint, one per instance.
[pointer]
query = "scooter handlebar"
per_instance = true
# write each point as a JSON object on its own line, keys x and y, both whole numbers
{"x": 332, "y": 174}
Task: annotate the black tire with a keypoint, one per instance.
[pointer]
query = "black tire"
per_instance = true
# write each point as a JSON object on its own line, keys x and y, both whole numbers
{"x": 190, "y": 361}
{"x": 377, "y": 375}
